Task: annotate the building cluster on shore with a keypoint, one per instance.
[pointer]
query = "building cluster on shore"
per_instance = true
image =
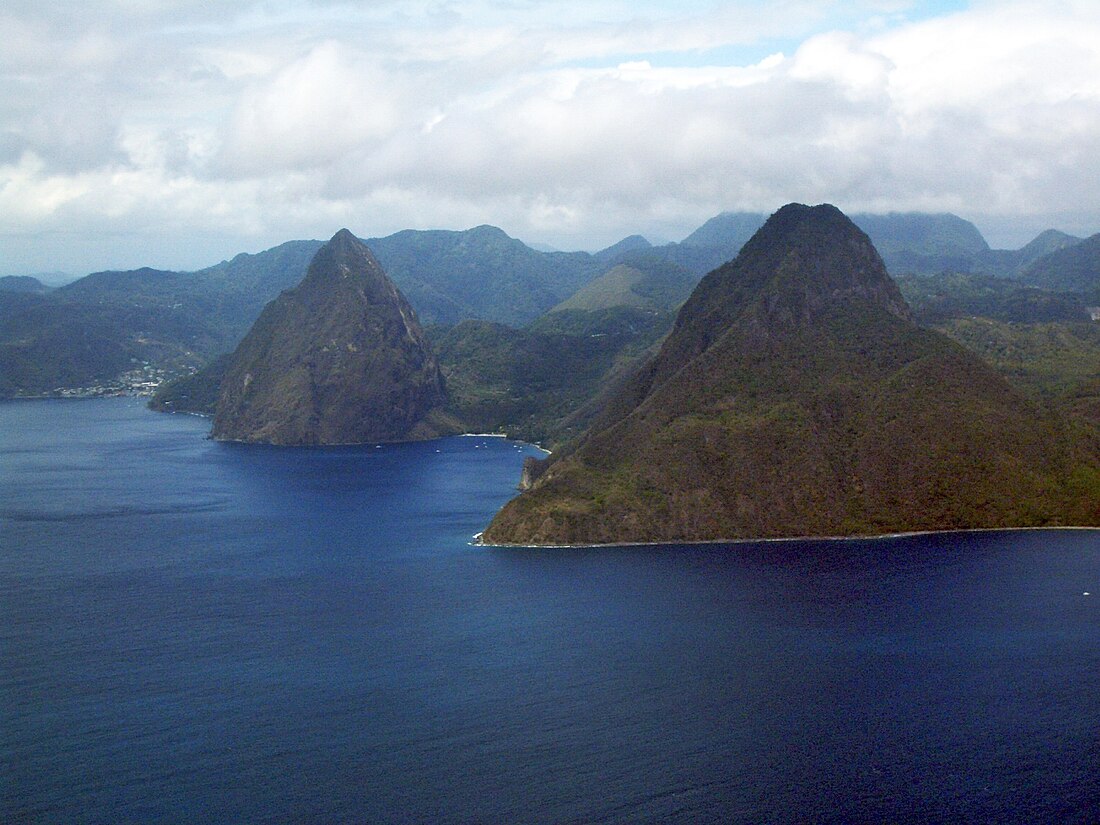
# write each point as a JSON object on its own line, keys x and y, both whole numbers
{"x": 140, "y": 381}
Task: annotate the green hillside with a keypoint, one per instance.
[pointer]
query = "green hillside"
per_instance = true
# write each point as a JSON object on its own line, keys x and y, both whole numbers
{"x": 922, "y": 244}
{"x": 795, "y": 396}
{"x": 1073, "y": 269}
{"x": 535, "y": 383}
{"x": 1057, "y": 363}
{"x": 90, "y": 331}
{"x": 480, "y": 273}
{"x": 937, "y": 298}
{"x": 642, "y": 281}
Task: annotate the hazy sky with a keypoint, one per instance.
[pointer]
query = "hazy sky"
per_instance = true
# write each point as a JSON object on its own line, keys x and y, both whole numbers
{"x": 175, "y": 133}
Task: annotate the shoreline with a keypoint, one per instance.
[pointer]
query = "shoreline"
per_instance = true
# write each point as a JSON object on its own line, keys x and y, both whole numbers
{"x": 476, "y": 541}
{"x": 376, "y": 444}
{"x": 52, "y": 397}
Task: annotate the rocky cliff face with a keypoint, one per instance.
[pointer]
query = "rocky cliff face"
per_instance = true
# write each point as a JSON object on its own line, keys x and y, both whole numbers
{"x": 339, "y": 359}
{"x": 795, "y": 396}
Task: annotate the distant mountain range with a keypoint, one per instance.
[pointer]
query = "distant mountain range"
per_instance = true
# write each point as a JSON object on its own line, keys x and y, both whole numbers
{"x": 910, "y": 243}
{"x": 91, "y": 331}
{"x": 23, "y": 283}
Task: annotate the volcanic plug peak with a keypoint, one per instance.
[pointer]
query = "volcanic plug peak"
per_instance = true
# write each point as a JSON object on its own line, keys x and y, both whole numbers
{"x": 795, "y": 396}
{"x": 341, "y": 358}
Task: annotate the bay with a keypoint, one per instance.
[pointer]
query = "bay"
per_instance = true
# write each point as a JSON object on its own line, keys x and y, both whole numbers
{"x": 201, "y": 632}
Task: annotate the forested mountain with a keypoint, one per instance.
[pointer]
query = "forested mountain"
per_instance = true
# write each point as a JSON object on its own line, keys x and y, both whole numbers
{"x": 23, "y": 283}
{"x": 639, "y": 280}
{"x": 540, "y": 382}
{"x": 910, "y": 243}
{"x": 480, "y": 273}
{"x": 1009, "y": 263}
{"x": 631, "y": 243}
{"x": 90, "y": 331}
{"x": 795, "y": 396}
{"x": 108, "y": 324}
{"x": 339, "y": 359}
{"x": 93, "y": 330}
{"x": 923, "y": 244}
{"x": 1073, "y": 268}
{"x": 47, "y": 344}
{"x": 936, "y": 298}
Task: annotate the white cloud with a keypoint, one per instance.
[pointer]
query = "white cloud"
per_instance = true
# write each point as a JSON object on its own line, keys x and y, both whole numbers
{"x": 312, "y": 112}
{"x": 570, "y": 123}
{"x": 28, "y": 193}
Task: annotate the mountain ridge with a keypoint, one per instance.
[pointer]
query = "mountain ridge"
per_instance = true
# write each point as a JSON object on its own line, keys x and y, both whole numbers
{"x": 1073, "y": 268}
{"x": 92, "y": 330}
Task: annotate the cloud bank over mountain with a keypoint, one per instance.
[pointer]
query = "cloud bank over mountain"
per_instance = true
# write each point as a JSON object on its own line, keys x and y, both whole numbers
{"x": 174, "y": 134}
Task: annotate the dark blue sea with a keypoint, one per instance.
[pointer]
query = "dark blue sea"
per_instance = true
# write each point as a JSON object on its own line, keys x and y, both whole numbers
{"x": 200, "y": 632}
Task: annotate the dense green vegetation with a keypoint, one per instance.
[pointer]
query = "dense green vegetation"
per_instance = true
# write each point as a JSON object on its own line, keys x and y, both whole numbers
{"x": 1043, "y": 341}
{"x": 795, "y": 396}
{"x": 536, "y": 383}
{"x": 923, "y": 244}
{"x": 588, "y": 317}
{"x": 449, "y": 276}
{"x": 89, "y": 332}
{"x": 480, "y": 273}
{"x": 194, "y": 393}
{"x": 1054, "y": 363}
{"x": 1073, "y": 269}
{"x": 629, "y": 244}
{"x": 47, "y": 346}
{"x": 937, "y": 298}
{"x": 1012, "y": 262}
{"x": 23, "y": 283}
{"x": 909, "y": 243}
{"x": 642, "y": 281}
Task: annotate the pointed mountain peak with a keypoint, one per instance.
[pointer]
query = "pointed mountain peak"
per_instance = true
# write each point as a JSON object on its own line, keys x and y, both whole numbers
{"x": 798, "y": 224}
{"x": 790, "y": 399}
{"x": 339, "y": 359}
{"x": 804, "y": 265}
{"x": 631, "y": 243}
{"x": 345, "y": 256}
{"x": 805, "y": 260}
{"x": 343, "y": 243}
{"x": 1050, "y": 240}
{"x": 794, "y": 213}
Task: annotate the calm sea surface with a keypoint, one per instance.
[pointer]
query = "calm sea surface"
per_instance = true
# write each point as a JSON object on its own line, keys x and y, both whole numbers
{"x": 203, "y": 632}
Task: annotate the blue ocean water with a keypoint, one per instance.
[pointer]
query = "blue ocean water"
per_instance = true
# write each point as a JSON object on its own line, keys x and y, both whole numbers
{"x": 203, "y": 632}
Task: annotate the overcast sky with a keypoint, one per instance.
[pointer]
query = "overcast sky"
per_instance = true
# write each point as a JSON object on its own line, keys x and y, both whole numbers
{"x": 175, "y": 133}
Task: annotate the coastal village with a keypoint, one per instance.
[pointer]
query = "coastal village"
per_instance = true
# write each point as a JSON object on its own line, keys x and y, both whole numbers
{"x": 142, "y": 380}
